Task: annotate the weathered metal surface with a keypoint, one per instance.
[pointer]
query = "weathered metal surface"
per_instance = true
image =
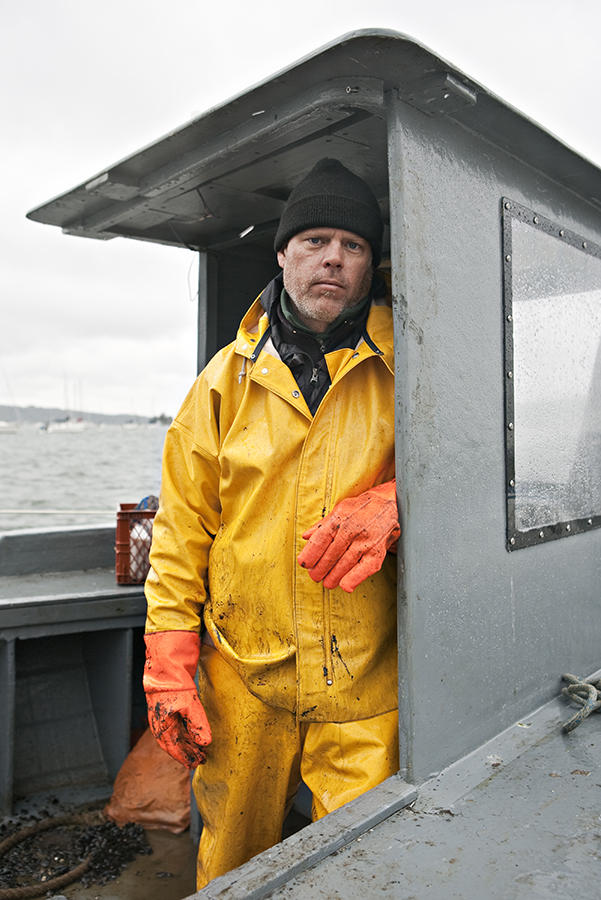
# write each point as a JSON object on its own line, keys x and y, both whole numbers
{"x": 7, "y": 716}
{"x": 268, "y": 871}
{"x": 50, "y": 550}
{"x": 234, "y": 166}
{"x": 527, "y": 827}
{"x": 66, "y": 663}
{"x": 507, "y": 624}
{"x": 518, "y": 818}
{"x": 82, "y": 602}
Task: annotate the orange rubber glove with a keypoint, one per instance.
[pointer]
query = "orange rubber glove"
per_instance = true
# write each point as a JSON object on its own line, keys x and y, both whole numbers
{"x": 175, "y": 714}
{"x": 350, "y": 543}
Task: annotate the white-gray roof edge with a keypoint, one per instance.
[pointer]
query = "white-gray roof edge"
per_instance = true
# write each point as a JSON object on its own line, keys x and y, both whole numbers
{"x": 398, "y": 61}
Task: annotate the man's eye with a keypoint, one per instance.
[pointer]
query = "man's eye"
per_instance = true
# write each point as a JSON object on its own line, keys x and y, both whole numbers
{"x": 314, "y": 240}
{"x": 353, "y": 245}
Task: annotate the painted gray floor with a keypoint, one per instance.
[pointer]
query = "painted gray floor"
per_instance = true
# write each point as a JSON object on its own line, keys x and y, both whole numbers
{"x": 518, "y": 818}
{"x": 532, "y": 829}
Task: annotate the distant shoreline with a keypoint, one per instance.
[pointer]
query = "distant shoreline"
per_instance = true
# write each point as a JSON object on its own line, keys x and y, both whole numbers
{"x": 34, "y": 414}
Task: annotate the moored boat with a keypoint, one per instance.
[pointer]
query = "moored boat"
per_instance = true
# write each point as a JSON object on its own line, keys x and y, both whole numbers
{"x": 486, "y": 210}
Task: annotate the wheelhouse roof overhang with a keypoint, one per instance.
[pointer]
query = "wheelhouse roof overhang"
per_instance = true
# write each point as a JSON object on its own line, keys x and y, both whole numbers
{"x": 229, "y": 172}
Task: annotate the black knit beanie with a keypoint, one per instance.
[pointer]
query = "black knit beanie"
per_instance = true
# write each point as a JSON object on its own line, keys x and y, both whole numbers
{"x": 331, "y": 196}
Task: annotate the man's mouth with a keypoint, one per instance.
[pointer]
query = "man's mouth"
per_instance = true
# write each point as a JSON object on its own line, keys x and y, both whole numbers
{"x": 329, "y": 284}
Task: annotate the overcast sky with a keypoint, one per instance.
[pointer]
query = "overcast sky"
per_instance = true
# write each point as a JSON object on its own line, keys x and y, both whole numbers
{"x": 110, "y": 326}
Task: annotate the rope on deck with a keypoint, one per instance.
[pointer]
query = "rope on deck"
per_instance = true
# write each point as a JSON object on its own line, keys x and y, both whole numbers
{"x": 586, "y": 692}
{"x": 36, "y": 890}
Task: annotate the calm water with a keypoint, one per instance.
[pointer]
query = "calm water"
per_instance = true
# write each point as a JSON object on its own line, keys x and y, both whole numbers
{"x": 84, "y": 475}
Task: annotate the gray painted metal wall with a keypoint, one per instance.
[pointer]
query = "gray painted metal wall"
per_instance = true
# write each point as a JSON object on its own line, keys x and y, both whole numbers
{"x": 228, "y": 282}
{"x": 30, "y": 552}
{"x": 70, "y": 662}
{"x": 484, "y": 635}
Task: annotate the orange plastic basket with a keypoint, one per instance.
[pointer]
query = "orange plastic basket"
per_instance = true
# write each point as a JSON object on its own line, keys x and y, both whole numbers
{"x": 132, "y": 543}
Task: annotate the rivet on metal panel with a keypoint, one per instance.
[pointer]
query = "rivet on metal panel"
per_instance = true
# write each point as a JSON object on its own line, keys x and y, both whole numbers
{"x": 541, "y": 534}
{"x": 561, "y": 232}
{"x": 508, "y": 206}
{"x": 508, "y": 258}
{"x": 512, "y": 540}
{"x": 590, "y": 521}
{"x": 510, "y": 426}
{"x": 512, "y": 483}
{"x": 568, "y": 528}
{"x": 509, "y": 318}
{"x": 535, "y": 220}
{"x": 352, "y": 90}
{"x": 584, "y": 243}
{"x": 510, "y": 374}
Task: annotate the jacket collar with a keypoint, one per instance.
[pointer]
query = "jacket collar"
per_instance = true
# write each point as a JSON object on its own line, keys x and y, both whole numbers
{"x": 256, "y": 321}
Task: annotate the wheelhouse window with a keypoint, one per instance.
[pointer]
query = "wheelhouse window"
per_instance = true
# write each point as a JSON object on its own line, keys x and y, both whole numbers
{"x": 552, "y": 307}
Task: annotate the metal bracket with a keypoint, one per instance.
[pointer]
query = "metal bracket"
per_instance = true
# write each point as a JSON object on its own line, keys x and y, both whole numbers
{"x": 441, "y": 94}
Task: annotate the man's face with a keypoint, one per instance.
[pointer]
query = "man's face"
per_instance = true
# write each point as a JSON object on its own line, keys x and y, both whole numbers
{"x": 326, "y": 270}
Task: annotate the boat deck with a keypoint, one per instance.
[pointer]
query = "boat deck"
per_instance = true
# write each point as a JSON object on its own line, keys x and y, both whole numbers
{"x": 519, "y": 818}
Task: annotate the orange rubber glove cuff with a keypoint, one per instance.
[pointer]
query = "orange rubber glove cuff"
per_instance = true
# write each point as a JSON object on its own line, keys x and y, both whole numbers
{"x": 350, "y": 543}
{"x": 175, "y": 714}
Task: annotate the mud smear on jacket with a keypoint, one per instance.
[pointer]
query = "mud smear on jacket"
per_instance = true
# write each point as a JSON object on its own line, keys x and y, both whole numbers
{"x": 336, "y": 653}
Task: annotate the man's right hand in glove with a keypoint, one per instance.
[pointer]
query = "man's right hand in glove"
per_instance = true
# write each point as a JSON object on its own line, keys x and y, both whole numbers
{"x": 175, "y": 714}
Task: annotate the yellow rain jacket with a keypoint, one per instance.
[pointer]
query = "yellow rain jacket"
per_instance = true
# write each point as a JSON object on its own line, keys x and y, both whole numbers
{"x": 246, "y": 470}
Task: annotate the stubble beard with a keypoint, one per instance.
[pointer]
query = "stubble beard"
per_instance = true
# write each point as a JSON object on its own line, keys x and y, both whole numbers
{"x": 307, "y": 304}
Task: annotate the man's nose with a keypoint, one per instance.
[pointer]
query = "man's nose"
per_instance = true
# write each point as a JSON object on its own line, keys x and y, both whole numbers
{"x": 333, "y": 255}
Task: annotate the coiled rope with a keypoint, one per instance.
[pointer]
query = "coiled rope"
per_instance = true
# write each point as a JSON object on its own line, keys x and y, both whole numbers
{"x": 586, "y": 692}
{"x": 36, "y": 890}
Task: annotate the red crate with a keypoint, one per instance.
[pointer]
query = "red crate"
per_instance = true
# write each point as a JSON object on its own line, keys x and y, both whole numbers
{"x": 132, "y": 544}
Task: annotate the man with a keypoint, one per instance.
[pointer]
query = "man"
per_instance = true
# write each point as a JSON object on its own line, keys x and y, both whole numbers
{"x": 277, "y": 510}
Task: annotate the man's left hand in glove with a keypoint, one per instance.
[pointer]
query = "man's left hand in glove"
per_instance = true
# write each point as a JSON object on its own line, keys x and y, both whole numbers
{"x": 350, "y": 543}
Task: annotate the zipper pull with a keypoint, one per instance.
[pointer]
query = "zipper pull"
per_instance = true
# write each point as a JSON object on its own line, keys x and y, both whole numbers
{"x": 314, "y": 378}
